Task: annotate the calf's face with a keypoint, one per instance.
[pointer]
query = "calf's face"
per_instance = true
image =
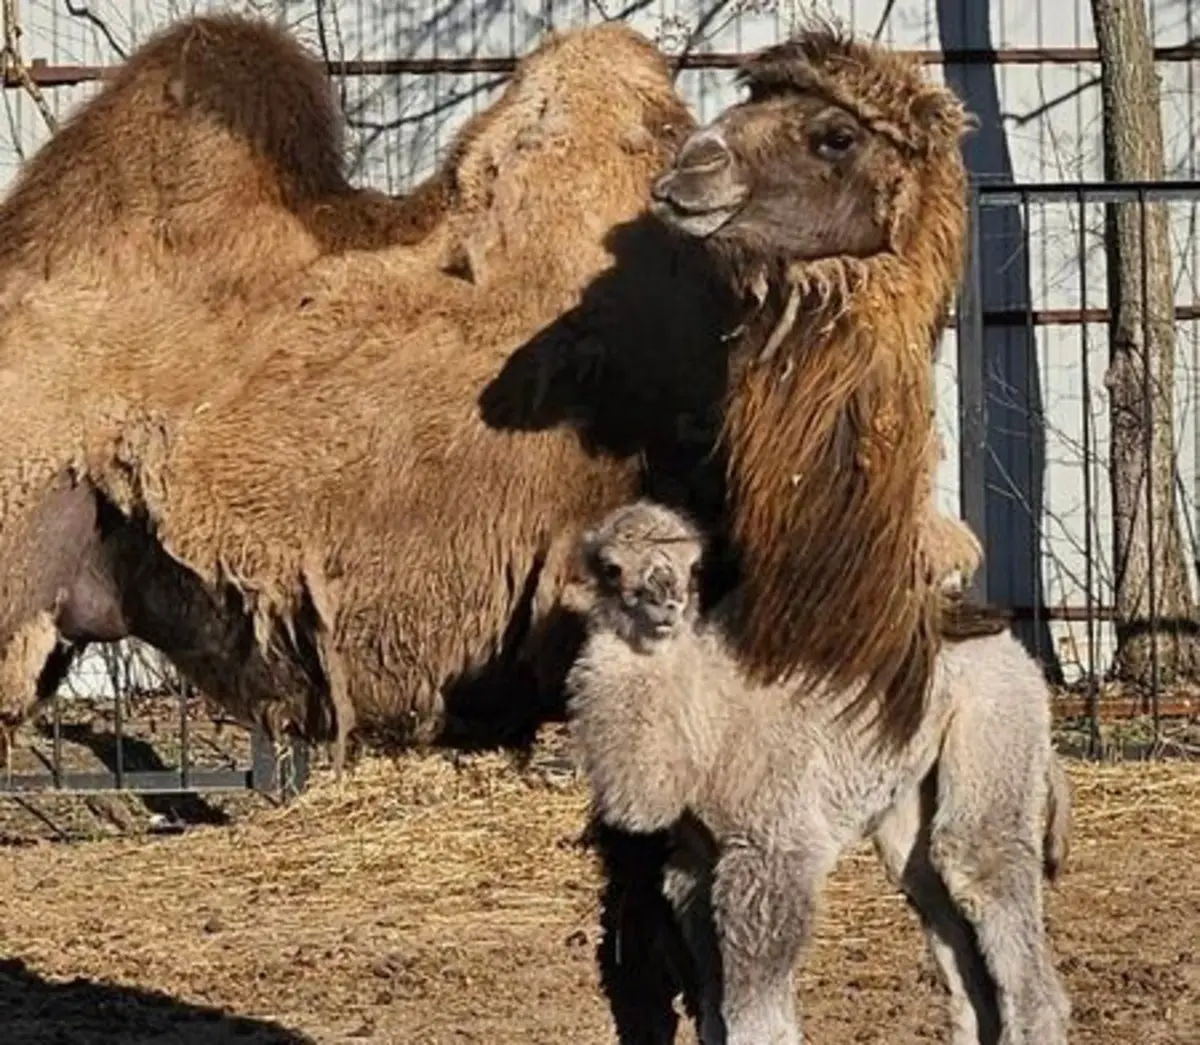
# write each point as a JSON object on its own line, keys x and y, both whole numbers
{"x": 646, "y": 593}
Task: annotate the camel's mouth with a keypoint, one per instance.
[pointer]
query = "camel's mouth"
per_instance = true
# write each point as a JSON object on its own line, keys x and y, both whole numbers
{"x": 703, "y": 189}
{"x": 656, "y": 622}
{"x": 698, "y": 198}
{"x": 693, "y": 221}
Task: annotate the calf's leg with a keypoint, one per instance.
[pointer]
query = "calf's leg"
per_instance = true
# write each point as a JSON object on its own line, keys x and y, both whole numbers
{"x": 764, "y": 905}
{"x": 902, "y": 842}
{"x": 986, "y": 842}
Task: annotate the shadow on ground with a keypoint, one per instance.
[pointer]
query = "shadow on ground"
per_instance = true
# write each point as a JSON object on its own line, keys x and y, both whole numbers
{"x": 34, "y": 1011}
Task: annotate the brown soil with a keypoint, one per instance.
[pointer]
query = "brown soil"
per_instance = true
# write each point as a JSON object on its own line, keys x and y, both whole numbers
{"x": 437, "y": 901}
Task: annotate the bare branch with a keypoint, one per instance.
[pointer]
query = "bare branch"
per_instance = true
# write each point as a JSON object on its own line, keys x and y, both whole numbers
{"x": 889, "y": 7}
{"x": 13, "y": 68}
{"x": 442, "y": 105}
{"x": 326, "y": 54}
{"x": 625, "y": 12}
{"x": 83, "y": 11}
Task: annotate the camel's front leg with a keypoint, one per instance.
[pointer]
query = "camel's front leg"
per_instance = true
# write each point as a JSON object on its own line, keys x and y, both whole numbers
{"x": 764, "y": 904}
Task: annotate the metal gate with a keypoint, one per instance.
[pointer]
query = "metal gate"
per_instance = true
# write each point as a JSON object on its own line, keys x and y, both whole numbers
{"x": 131, "y": 764}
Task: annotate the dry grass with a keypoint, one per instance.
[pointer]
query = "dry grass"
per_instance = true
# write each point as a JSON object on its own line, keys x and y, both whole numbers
{"x": 436, "y": 900}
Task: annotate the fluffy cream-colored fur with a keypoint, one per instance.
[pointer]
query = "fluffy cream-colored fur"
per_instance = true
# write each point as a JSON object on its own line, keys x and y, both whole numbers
{"x": 669, "y": 730}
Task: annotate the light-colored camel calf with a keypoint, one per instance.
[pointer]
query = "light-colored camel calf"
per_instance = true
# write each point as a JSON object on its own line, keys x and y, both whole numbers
{"x": 763, "y": 789}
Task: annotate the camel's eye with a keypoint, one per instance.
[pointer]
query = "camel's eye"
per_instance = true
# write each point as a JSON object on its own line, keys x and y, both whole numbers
{"x": 610, "y": 571}
{"x": 835, "y": 143}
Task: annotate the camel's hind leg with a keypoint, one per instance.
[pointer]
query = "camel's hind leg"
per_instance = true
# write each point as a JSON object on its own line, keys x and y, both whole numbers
{"x": 902, "y": 841}
{"x": 986, "y": 842}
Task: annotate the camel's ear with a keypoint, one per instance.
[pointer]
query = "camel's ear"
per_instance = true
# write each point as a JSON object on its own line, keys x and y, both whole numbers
{"x": 942, "y": 116}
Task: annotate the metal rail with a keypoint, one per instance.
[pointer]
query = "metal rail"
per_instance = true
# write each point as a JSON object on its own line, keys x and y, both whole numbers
{"x": 44, "y": 74}
{"x": 264, "y": 774}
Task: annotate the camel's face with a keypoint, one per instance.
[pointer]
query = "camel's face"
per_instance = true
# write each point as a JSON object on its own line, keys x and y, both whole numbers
{"x": 783, "y": 174}
{"x": 645, "y": 570}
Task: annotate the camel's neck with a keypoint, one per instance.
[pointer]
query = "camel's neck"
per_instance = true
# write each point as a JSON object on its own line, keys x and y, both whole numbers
{"x": 827, "y": 428}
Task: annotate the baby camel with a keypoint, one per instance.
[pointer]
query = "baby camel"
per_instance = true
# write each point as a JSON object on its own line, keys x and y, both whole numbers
{"x": 763, "y": 788}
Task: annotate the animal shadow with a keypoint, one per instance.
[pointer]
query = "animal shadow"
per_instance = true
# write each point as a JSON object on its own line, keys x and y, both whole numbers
{"x": 34, "y": 1011}
{"x": 638, "y": 365}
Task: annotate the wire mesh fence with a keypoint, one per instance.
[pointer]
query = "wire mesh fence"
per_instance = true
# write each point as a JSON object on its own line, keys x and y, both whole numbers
{"x": 1086, "y": 502}
{"x": 1023, "y": 400}
{"x": 125, "y": 721}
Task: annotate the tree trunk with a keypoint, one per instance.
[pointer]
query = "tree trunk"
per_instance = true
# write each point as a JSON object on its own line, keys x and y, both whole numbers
{"x": 1154, "y": 606}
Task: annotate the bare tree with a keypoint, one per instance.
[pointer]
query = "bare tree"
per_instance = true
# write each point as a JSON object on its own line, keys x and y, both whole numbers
{"x": 1154, "y": 605}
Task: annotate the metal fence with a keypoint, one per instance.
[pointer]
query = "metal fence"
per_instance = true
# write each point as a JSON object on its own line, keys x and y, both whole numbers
{"x": 1037, "y": 480}
{"x": 121, "y": 757}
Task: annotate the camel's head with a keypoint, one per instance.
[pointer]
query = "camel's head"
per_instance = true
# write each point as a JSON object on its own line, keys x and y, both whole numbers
{"x": 643, "y": 562}
{"x": 834, "y": 152}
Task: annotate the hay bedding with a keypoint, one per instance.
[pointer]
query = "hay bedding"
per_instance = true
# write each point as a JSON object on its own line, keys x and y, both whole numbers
{"x": 437, "y": 900}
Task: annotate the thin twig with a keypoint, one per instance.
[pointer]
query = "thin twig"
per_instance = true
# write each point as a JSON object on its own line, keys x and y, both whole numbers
{"x": 326, "y": 52}
{"x": 883, "y": 20}
{"x": 13, "y": 68}
{"x": 83, "y": 11}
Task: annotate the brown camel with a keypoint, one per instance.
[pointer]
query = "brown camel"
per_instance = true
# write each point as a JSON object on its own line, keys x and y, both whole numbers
{"x": 208, "y": 166}
{"x": 361, "y": 389}
{"x": 217, "y": 145}
{"x": 156, "y": 359}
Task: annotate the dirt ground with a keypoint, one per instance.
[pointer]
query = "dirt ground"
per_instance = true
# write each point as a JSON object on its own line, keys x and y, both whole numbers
{"x": 434, "y": 901}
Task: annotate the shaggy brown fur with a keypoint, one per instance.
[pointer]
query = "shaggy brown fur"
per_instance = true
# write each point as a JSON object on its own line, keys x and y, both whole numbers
{"x": 216, "y": 153}
{"x": 669, "y": 731}
{"x": 362, "y": 387}
{"x": 831, "y": 416}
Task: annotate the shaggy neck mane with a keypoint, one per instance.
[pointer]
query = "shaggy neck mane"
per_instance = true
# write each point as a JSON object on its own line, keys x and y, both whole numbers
{"x": 828, "y": 427}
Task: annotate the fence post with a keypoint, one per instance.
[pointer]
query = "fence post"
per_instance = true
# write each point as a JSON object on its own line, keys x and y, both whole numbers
{"x": 272, "y": 775}
{"x": 972, "y": 398}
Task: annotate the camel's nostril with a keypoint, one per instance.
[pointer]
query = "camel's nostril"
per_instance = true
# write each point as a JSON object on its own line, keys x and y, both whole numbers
{"x": 661, "y": 187}
{"x": 704, "y": 153}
